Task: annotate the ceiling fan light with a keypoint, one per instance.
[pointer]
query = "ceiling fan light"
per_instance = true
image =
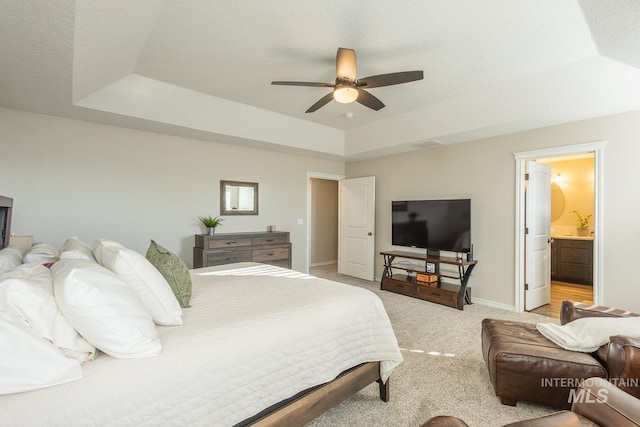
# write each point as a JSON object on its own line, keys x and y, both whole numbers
{"x": 345, "y": 94}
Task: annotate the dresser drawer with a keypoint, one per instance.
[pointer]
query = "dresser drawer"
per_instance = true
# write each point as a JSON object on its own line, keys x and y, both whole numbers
{"x": 275, "y": 240}
{"x": 574, "y": 255}
{"x": 226, "y": 257}
{"x": 228, "y": 243}
{"x": 438, "y": 295}
{"x": 270, "y": 254}
{"x": 404, "y": 287}
{"x": 574, "y": 272}
{"x": 570, "y": 243}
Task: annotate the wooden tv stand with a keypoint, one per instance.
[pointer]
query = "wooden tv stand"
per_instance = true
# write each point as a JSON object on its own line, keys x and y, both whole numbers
{"x": 450, "y": 294}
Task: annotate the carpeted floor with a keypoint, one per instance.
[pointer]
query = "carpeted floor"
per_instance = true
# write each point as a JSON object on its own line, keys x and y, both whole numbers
{"x": 443, "y": 372}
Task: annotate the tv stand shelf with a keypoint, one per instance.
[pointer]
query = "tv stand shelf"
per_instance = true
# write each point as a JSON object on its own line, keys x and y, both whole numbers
{"x": 450, "y": 294}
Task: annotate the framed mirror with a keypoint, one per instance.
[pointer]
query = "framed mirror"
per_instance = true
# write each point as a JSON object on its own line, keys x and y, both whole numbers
{"x": 238, "y": 198}
{"x": 557, "y": 201}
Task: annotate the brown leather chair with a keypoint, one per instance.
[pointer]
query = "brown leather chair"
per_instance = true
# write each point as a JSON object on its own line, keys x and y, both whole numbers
{"x": 524, "y": 365}
{"x": 597, "y": 403}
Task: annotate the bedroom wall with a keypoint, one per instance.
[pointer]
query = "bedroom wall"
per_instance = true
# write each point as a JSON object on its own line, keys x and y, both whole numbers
{"x": 75, "y": 178}
{"x": 484, "y": 170}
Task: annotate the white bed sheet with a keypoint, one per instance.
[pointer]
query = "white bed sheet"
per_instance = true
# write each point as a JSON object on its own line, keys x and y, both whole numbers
{"x": 254, "y": 335}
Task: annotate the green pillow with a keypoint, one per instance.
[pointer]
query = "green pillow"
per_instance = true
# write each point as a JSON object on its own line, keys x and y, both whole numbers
{"x": 173, "y": 269}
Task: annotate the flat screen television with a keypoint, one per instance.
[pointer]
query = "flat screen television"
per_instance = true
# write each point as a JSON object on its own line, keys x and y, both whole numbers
{"x": 432, "y": 224}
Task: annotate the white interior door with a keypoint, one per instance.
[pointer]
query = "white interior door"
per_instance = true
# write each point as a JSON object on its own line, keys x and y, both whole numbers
{"x": 538, "y": 235}
{"x": 356, "y": 251}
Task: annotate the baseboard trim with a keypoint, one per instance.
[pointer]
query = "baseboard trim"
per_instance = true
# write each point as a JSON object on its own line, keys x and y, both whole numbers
{"x": 321, "y": 264}
{"x": 493, "y": 304}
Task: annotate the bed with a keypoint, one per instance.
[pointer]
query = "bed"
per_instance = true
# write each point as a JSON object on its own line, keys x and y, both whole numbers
{"x": 260, "y": 345}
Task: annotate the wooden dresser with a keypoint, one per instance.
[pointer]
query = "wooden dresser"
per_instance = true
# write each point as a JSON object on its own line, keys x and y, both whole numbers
{"x": 224, "y": 248}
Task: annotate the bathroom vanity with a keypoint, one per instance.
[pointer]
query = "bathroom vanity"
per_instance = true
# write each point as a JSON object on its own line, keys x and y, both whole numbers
{"x": 572, "y": 259}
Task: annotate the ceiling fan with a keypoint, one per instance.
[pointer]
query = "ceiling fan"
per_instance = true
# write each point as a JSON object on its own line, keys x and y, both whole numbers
{"x": 348, "y": 89}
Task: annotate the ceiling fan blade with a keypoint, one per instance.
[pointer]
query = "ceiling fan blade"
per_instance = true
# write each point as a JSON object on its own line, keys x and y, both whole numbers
{"x": 368, "y": 100}
{"x": 346, "y": 65}
{"x": 312, "y": 84}
{"x": 390, "y": 79}
{"x": 322, "y": 102}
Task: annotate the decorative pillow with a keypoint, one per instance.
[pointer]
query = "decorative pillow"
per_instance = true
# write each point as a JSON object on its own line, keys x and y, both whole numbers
{"x": 174, "y": 270}
{"x": 28, "y": 362}
{"x": 100, "y": 244}
{"x": 105, "y": 311}
{"x": 148, "y": 283}
{"x": 75, "y": 248}
{"x": 10, "y": 258}
{"x": 42, "y": 253}
{"x": 27, "y": 292}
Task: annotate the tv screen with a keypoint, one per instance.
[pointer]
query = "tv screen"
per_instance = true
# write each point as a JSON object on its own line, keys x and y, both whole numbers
{"x": 432, "y": 224}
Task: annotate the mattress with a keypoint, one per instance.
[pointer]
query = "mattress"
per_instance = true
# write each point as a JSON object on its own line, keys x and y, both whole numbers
{"x": 253, "y": 336}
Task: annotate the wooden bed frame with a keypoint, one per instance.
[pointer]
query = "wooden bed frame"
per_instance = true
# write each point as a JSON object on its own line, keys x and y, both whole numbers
{"x": 311, "y": 403}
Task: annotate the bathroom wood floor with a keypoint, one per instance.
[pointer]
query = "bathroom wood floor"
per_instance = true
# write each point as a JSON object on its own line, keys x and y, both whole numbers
{"x": 561, "y": 291}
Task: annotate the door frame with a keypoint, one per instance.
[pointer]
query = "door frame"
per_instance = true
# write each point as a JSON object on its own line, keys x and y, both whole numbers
{"x": 597, "y": 148}
{"x": 317, "y": 175}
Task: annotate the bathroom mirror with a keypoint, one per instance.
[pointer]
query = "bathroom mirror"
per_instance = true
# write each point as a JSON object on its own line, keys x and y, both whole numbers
{"x": 557, "y": 202}
{"x": 238, "y": 198}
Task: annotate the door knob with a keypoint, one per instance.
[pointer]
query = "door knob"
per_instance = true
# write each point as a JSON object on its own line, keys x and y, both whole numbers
{"x": 369, "y": 234}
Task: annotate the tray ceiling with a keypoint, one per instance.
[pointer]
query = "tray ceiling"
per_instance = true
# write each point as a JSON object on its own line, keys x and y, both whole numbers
{"x": 203, "y": 68}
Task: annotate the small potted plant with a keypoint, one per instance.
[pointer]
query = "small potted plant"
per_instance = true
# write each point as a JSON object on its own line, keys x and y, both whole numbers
{"x": 211, "y": 223}
{"x": 583, "y": 223}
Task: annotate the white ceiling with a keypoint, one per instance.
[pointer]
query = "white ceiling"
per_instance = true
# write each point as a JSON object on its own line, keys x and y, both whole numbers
{"x": 203, "y": 68}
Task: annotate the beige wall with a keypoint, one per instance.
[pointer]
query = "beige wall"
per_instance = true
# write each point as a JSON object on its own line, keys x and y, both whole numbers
{"x": 484, "y": 170}
{"x": 324, "y": 221}
{"x": 75, "y": 178}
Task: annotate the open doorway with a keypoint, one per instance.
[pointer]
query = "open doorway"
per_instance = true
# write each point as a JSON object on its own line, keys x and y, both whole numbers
{"x": 596, "y": 150}
{"x": 322, "y": 222}
{"x": 572, "y": 217}
{"x": 323, "y": 225}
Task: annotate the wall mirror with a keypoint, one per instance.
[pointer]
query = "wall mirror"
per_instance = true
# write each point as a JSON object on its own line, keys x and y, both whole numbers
{"x": 557, "y": 201}
{"x": 238, "y": 198}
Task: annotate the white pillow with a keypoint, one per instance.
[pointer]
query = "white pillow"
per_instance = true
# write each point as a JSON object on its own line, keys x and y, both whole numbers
{"x": 10, "y": 258}
{"x": 105, "y": 311}
{"x": 100, "y": 244}
{"x": 76, "y": 249}
{"x": 42, "y": 253}
{"x": 148, "y": 283}
{"x": 27, "y": 292}
{"x": 29, "y": 362}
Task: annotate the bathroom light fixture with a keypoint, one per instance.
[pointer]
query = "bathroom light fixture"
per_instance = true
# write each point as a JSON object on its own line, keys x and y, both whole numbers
{"x": 345, "y": 94}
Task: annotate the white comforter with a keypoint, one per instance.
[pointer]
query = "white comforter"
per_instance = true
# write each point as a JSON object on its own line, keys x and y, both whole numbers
{"x": 254, "y": 335}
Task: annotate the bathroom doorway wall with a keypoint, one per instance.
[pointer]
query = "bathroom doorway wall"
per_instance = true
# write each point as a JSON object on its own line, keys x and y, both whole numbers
{"x": 596, "y": 149}
{"x": 572, "y": 205}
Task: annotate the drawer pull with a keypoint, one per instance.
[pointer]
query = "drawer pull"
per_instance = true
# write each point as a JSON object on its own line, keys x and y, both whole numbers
{"x": 271, "y": 254}
{"x": 231, "y": 243}
{"x": 231, "y": 259}
{"x": 269, "y": 240}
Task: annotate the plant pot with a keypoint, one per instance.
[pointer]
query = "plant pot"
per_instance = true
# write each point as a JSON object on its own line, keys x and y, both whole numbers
{"x": 211, "y": 230}
{"x": 583, "y": 232}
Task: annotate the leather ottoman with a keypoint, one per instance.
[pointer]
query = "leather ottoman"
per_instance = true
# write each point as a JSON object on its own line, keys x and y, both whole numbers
{"x": 524, "y": 365}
